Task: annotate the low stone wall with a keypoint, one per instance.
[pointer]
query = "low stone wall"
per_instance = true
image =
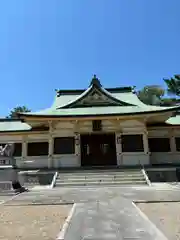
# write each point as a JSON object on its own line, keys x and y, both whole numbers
{"x": 26, "y": 178}
{"x": 35, "y": 177}
{"x": 162, "y": 175}
{"x": 4, "y": 186}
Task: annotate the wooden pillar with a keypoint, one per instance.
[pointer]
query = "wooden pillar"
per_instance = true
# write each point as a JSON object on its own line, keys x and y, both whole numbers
{"x": 119, "y": 149}
{"x": 78, "y": 147}
{"x": 145, "y": 142}
{"x": 24, "y": 152}
{"x": 24, "y": 149}
{"x": 146, "y": 148}
{"x": 172, "y": 141}
{"x": 51, "y": 145}
{"x": 50, "y": 153}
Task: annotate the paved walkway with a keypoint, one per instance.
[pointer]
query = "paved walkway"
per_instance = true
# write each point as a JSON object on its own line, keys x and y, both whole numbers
{"x": 111, "y": 221}
{"x": 104, "y": 213}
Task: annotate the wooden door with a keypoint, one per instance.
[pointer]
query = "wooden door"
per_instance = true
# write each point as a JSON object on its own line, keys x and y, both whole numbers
{"x": 98, "y": 150}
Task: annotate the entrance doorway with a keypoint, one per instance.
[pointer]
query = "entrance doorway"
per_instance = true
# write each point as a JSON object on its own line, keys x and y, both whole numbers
{"x": 98, "y": 150}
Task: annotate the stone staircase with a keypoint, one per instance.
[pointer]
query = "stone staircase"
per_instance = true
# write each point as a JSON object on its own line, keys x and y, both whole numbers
{"x": 100, "y": 178}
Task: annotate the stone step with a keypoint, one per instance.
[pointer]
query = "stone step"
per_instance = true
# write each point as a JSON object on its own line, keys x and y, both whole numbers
{"x": 132, "y": 178}
{"x": 100, "y": 179}
{"x": 64, "y": 184}
{"x": 98, "y": 175}
{"x": 101, "y": 183}
{"x": 99, "y": 172}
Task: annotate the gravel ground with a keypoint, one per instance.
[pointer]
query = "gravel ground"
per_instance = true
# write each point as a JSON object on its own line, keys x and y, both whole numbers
{"x": 32, "y": 222}
{"x": 166, "y": 216}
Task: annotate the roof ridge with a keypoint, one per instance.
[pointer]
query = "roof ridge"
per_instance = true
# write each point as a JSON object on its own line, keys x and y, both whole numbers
{"x": 80, "y": 91}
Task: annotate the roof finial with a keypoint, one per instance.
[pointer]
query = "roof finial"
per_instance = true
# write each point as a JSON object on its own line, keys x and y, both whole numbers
{"x": 95, "y": 81}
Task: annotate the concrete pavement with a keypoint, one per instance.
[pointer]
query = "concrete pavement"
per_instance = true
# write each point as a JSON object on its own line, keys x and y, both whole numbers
{"x": 104, "y": 213}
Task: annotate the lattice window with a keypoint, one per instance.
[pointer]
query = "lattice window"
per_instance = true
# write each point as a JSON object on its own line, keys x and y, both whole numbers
{"x": 64, "y": 145}
{"x": 38, "y": 149}
{"x": 159, "y": 145}
{"x": 132, "y": 143}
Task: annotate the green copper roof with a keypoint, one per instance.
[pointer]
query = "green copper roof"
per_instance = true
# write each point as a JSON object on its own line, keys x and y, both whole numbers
{"x": 128, "y": 97}
{"x": 118, "y": 96}
{"x": 7, "y": 125}
{"x": 97, "y": 101}
{"x": 112, "y": 102}
{"x": 73, "y": 103}
{"x": 100, "y": 111}
{"x": 99, "y": 91}
{"x": 174, "y": 120}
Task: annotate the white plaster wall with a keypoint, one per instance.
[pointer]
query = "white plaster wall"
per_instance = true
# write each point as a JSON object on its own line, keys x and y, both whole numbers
{"x": 132, "y": 159}
{"x": 132, "y": 123}
{"x": 110, "y": 126}
{"x": 68, "y": 160}
{"x": 10, "y": 138}
{"x": 63, "y": 133}
{"x": 165, "y": 157}
{"x": 125, "y": 126}
{"x": 158, "y": 133}
{"x": 84, "y": 126}
{"x": 64, "y": 125}
{"x": 67, "y": 128}
{"x": 107, "y": 126}
{"x": 176, "y": 132}
{"x": 63, "y": 129}
{"x": 37, "y": 137}
{"x": 132, "y": 127}
{"x": 35, "y": 162}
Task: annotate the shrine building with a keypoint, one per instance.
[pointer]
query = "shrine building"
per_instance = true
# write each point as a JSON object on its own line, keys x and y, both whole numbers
{"x": 94, "y": 127}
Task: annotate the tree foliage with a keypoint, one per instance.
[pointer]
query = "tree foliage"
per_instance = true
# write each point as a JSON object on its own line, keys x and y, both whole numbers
{"x": 168, "y": 102}
{"x": 151, "y": 95}
{"x": 154, "y": 95}
{"x": 19, "y": 109}
{"x": 173, "y": 85}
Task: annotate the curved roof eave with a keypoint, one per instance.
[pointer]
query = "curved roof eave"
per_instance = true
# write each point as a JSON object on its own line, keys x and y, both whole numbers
{"x": 51, "y": 115}
{"x": 82, "y": 95}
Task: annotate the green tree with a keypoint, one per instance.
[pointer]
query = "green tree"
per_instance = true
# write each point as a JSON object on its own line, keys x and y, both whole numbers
{"x": 14, "y": 111}
{"x": 151, "y": 95}
{"x": 168, "y": 102}
{"x": 173, "y": 85}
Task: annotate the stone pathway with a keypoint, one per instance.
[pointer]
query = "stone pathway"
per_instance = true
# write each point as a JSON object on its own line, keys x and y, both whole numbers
{"x": 110, "y": 220}
{"x": 6, "y": 196}
{"x": 104, "y": 213}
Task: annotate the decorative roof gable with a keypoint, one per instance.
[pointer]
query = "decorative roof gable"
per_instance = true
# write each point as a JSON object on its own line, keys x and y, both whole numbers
{"x": 95, "y": 95}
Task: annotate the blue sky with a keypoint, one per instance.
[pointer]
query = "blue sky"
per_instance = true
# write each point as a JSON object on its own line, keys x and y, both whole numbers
{"x": 59, "y": 44}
